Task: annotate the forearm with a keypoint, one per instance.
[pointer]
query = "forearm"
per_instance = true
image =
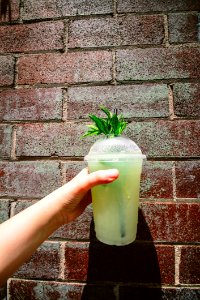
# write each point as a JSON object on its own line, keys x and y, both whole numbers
{"x": 21, "y": 235}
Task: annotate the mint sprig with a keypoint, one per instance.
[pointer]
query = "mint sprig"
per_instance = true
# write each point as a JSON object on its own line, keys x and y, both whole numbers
{"x": 113, "y": 125}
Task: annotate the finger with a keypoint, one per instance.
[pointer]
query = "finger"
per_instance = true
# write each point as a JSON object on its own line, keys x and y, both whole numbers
{"x": 87, "y": 181}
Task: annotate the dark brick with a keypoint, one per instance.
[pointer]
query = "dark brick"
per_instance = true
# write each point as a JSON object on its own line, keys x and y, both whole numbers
{"x": 14, "y": 12}
{"x": 5, "y": 141}
{"x": 143, "y": 293}
{"x": 31, "y": 104}
{"x": 70, "y": 67}
{"x": 126, "y": 30}
{"x": 34, "y": 9}
{"x": 105, "y": 263}
{"x": 6, "y": 70}
{"x": 4, "y": 210}
{"x": 28, "y": 179}
{"x": 156, "y": 181}
{"x": 161, "y": 138}
{"x": 187, "y": 99}
{"x": 158, "y": 63}
{"x": 40, "y": 290}
{"x": 76, "y": 263}
{"x": 32, "y": 37}
{"x": 183, "y": 28}
{"x": 52, "y": 139}
{"x": 187, "y": 179}
{"x": 44, "y": 263}
{"x": 189, "y": 267}
{"x": 156, "y": 5}
{"x": 131, "y": 100}
{"x": 170, "y": 222}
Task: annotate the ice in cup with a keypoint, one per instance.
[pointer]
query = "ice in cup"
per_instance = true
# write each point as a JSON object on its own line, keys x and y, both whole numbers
{"x": 115, "y": 205}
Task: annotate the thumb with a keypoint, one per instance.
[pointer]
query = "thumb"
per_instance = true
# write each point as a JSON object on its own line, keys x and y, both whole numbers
{"x": 85, "y": 180}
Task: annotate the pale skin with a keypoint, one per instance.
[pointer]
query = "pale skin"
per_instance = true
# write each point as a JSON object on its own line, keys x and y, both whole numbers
{"x": 22, "y": 234}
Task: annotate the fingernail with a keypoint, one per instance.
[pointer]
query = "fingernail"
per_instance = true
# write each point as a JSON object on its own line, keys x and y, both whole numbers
{"x": 112, "y": 173}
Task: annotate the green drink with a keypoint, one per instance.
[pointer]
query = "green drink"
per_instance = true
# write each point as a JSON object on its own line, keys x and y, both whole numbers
{"x": 115, "y": 205}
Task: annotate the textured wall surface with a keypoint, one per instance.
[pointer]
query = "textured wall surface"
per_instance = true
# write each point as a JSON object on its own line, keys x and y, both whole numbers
{"x": 58, "y": 61}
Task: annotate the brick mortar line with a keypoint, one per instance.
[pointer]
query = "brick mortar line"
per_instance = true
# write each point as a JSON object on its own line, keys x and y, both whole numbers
{"x": 99, "y": 83}
{"x": 103, "y": 48}
{"x": 61, "y": 275}
{"x": 166, "y": 29}
{"x": 13, "y": 143}
{"x": 177, "y": 264}
{"x": 174, "y": 181}
{"x": 91, "y": 16}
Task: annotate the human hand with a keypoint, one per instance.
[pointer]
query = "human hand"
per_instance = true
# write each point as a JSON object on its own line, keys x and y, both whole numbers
{"x": 76, "y": 194}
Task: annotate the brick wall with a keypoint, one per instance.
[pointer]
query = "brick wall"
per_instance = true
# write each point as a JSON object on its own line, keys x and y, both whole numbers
{"x": 58, "y": 61}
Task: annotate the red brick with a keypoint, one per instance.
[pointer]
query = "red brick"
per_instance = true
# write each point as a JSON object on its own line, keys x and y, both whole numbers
{"x": 156, "y": 5}
{"x": 31, "y": 104}
{"x": 31, "y": 37}
{"x": 39, "y": 290}
{"x": 44, "y": 263}
{"x": 189, "y": 268}
{"x": 161, "y": 138}
{"x": 6, "y": 70}
{"x": 126, "y": 30}
{"x": 5, "y": 141}
{"x": 34, "y": 9}
{"x": 187, "y": 99}
{"x": 187, "y": 179}
{"x": 156, "y": 181}
{"x": 4, "y": 210}
{"x": 28, "y": 179}
{"x": 52, "y": 139}
{"x": 183, "y": 28}
{"x": 128, "y": 292}
{"x": 108, "y": 263}
{"x": 158, "y": 63}
{"x": 76, "y": 263}
{"x": 15, "y": 11}
{"x": 131, "y": 100}
{"x": 70, "y": 67}
{"x": 170, "y": 222}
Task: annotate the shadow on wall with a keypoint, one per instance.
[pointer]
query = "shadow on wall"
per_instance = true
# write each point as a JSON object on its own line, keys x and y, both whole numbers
{"x": 5, "y": 9}
{"x": 135, "y": 266}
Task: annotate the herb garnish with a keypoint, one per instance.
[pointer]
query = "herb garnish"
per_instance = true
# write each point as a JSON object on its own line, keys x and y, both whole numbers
{"x": 113, "y": 125}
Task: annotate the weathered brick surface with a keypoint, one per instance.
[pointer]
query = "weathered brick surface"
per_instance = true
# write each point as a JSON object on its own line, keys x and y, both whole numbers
{"x": 44, "y": 263}
{"x": 158, "y": 63}
{"x": 41, "y": 9}
{"x": 187, "y": 179}
{"x": 131, "y": 100}
{"x": 31, "y": 104}
{"x": 156, "y": 180}
{"x": 172, "y": 222}
{"x": 126, "y": 30}
{"x": 6, "y": 70}
{"x": 109, "y": 263}
{"x": 156, "y": 5}
{"x": 31, "y": 37}
{"x": 40, "y": 290}
{"x": 143, "y": 293}
{"x": 4, "y": 210}
{"x": 183, "y": 28}
{"x": 52, "y": 139}
{"x": 166, "y": 138}
{"x": 5, "y": 141}
{"x": 28, "y": 179}
{"x": 189, "y": 267}
{"x": 187, "y": 99}
{"x": 71, "y": 67}
{"x": 13, "y": 15}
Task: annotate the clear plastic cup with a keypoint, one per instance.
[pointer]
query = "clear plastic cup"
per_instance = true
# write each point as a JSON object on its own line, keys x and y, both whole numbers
{"x": 115, "y": 205}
